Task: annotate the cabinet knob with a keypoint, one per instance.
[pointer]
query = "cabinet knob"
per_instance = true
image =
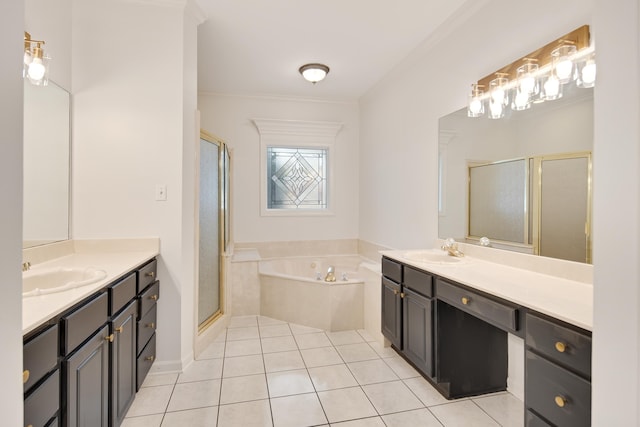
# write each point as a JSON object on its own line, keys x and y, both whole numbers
{"x": 25, "y": 376}
{"x": 560, "y": 401}
{"x": 395, "y": 292}
{"x": 119, "y": 330}
{"x": 561, "y": 347}
{"x": 109, "y": 338}
{"x": 154, "y": 297}
{"x": 150, "y": 358}
{"x": 401, "y": 294}
{"x": 150, "y": 274}
{"x": 151, "y": 325}
{"x": 466, "y": 300}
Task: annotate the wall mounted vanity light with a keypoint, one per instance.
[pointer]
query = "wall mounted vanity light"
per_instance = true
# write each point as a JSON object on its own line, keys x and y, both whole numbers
{"x": 537, "y": 77}
{"x": 314, "y": 72}
{"x": 36, "y": 62}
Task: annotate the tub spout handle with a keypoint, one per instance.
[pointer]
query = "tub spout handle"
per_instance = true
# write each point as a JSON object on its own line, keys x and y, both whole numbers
{"x": 331, "y": 275}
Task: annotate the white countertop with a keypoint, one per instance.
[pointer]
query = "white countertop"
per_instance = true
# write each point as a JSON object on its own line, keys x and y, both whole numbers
{"x": 37, "y": 310}
{"x": 567, "y": 300}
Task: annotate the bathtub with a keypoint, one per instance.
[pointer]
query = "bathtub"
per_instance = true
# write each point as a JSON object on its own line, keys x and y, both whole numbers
{"x": 290, "y": 291}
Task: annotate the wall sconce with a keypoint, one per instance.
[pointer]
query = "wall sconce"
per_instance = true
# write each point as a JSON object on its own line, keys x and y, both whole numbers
{"x": 36, "y": 62}
{"x": 314, "y": 72}
{"x": 537, "y": 77}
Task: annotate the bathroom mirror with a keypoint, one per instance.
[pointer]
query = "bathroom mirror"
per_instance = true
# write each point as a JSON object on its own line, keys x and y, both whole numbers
{"x": 547, "y": 132}
{"x": 46, "y": 164}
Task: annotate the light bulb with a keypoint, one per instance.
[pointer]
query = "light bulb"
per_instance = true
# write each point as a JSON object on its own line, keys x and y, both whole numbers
{"x": 496, "y": 110}
{"x": 521, "y": 101}
{"x": 314, "y": 74}
{"x": 27, "y": 57}
{"x": 564, "y": 69}
{"x": 527, "y": 84}
{"x": 552, "y": 88}
{"x": 475, "y": 106}
{"x": 589, "y": 73}
{"x": 498, "y": 95}
{"x": 36, "y": 69}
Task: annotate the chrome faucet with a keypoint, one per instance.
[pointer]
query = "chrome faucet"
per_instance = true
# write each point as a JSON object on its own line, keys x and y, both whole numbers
{"x": 331, "y": 274}
{"x": 451, "y": 246}
{"x": 26, "y": 266}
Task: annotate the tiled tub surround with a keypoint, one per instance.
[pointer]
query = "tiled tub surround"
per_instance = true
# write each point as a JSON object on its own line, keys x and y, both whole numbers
{"x": 115, "y": 257}
{"x": 265, "y": 372}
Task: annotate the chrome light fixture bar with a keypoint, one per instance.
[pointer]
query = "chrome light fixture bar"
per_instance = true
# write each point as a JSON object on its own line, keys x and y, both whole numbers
{"x": 314, "y": 72}
{"x": 36, "y": 62}
{"x": 537, "y": 77}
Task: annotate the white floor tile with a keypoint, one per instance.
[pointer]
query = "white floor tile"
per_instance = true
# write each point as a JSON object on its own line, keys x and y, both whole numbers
{"x": 195, "y": 395}
{"x": 214, "y": 350}
{"x": 269, "y": 321}
{"x": 346, "y": 404}
{"x": 200, "y": 370}
{"x": 274, "y": 331}
{"x": 382, "y": 350}
{"x": 201, "y": 417}
{"x": 344, "y": 337}
{"x": 332, "y": 377}
{"x": 401, "y": 368}
{"x": 365, "y": 335}
{"x": 151, "y": 400}
{"x": 289, "y": 382}
{"x": 312, "y": 340}
{"x": 298, "y": 410}
{"x": 284, "y": 361}
{"x": 235, "y": 334}
{"x": 322, "y": 356}
{"x": 154, "y": 380}
{"x": 276, "y": 344}
{"x": 243, "y": 348}
{"x": 242, "y": 365}
{"x": 143, "y": 421}
{"x": 301, "y": 329}
{"x": 505, "y": 408}
{"x": 357, "y": 352}
{"x": 419, "y": 417}
{"x": 363, "y": 422}
{"x": 391, "y": 397}
{"x": 372, "y": 371}
{"x": 246, "y": 414}
{"x": 427, "y": 394}
{"x": 242, "y": 321}
{"x": 243, "y": 389}
{"x": 462, "y": 414}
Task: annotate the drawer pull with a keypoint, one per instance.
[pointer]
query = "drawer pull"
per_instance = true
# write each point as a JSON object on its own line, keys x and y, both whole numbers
{"x": 560, "y": 401}
{"x": 109, "y": 338}
{"x": 150, "y": 274}
{"x": 401, "y": 294}
{"x": 561, "y": 347}
{"x": 395, "y": 292}
{"x": 151, "y": 325}
{"x": 25, "y": 376}
{"x": 466, "y": 300}
{"x": 154, "y": 297}
{"x": 119, "y": 330}
{"x": 150, "y": 358}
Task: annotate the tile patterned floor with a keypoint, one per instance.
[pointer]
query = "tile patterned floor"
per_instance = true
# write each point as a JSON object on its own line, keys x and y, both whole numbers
{"x": 265, "y": 372}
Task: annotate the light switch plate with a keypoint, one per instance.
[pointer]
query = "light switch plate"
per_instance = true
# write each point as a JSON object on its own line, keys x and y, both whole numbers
{"x": 161, "y": 192}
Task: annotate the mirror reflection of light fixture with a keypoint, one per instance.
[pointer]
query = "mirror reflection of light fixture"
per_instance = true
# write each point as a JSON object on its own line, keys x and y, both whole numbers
{"x": 314, "y": 72}
{"x": 36, "y": 62}
{"x": 537, "y": 77}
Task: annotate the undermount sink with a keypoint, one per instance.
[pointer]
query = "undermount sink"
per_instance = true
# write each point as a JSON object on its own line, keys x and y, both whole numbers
{"x": 48, "y": 281}
{"x": 433, "y": 256}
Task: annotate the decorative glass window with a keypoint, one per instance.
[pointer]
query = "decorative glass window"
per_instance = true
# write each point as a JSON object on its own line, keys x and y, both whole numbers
{"x": 296, "y": 178}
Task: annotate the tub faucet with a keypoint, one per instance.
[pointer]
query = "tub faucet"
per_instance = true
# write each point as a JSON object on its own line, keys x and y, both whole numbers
{"x": 331, "y": 274}
{"x": 451, "y": 247}
{"x": 26, "y": 266}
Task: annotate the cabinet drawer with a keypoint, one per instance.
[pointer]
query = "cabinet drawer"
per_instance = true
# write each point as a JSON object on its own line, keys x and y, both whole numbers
{"x": 146, "y": 327}
{"x": 41, "y": 405}
{"x": 39, "y": 356}
{"x": 418, "y": 281}
{"x": 392, "y": 270}
{"x": 145, "y": 360}
{"x": 79, "y": 325}
{"x": 148, "y": 299}
{"x": 532, "y": 420}
{"x": 498, "y": 313}
{"x": 147, "y": 275}
{"x": 121, "y": 293}
{"x": 556, "y": 394}
{"x": 566, "y": 346}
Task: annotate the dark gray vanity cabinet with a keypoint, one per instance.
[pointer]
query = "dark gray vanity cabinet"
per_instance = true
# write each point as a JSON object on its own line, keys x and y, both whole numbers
{"x": 392, "y": 302}
{"x": 417, "y": 319}
{"x": 123, "y": 362}
{"x": 41, "y": 377}
{"x": 147, "y": 323}
{"x": 557, "y": 373}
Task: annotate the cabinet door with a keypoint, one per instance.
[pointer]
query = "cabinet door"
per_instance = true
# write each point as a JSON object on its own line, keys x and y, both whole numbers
{"x": 123, "y": 362}
{"x": 391, "y": 312}
{"x": 87, "y": 383}
{"x": 417, "y": 330}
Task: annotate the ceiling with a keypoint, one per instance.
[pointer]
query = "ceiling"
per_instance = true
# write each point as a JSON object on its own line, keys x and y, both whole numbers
{"x": 255, "y": 47}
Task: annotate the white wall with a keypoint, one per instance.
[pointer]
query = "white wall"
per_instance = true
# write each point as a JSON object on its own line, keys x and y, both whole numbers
{"x": 399, "y": 208}
{"x": 132, "y": 119}
{"x": 229, "y": 117}
{"x": 11, "y": 49}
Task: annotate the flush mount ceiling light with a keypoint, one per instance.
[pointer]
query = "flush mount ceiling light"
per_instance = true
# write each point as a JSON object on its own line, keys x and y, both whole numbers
{"x": 36, "y": 63}
{"x": 314, "y": 72}
{"x": 537, "y": 77}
